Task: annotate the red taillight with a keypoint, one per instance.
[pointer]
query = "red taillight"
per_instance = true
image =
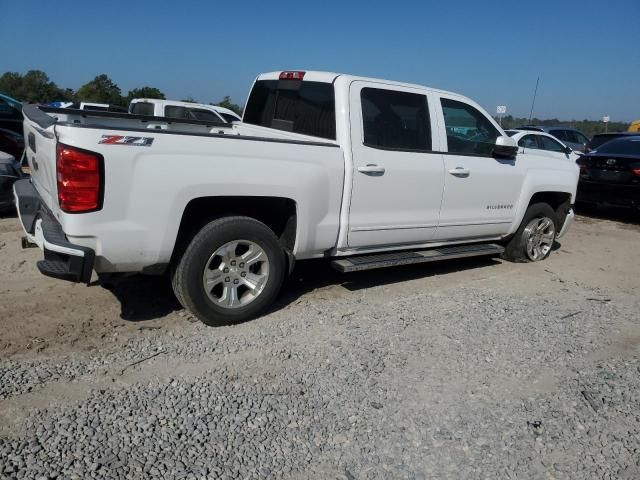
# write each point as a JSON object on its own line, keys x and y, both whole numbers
{"x": 79, "y": 175}
{"x": 636, "y": 171}
{"x": 292, "y": 75}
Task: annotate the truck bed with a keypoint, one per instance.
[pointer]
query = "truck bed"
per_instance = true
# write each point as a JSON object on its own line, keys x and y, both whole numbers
{"x": 154, "y": 167}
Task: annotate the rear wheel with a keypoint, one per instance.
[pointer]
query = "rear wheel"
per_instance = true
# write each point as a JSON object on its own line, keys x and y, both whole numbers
{"x": 534, "y": 239}
{"x": 230, "y": 272}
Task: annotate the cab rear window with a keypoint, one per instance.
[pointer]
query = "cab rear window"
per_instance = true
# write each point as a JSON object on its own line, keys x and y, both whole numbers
{"x": 293, "y": 106}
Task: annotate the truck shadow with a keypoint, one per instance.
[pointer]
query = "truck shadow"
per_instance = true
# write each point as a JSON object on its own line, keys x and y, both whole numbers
{"x": 147, "y": 298}
{"x": 142, "y": 297}
{"x": 317, "y": 274}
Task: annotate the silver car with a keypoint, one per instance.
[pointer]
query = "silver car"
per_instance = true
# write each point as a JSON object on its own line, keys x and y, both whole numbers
{"x": 569, "y": 136}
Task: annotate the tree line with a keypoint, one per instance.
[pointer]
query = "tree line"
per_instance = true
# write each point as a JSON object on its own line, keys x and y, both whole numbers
{"x": 35, "y": 86}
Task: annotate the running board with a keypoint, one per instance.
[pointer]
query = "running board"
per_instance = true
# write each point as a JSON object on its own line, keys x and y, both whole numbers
{"x": 382, "y": 260}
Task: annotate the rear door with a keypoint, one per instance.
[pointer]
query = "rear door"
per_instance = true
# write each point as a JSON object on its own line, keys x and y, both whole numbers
{"x": 397, "y": 177}
{"x": 480, "y": 191}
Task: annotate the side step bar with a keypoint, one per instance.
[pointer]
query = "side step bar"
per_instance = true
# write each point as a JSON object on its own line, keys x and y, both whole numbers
{"x": 382, "y": 260}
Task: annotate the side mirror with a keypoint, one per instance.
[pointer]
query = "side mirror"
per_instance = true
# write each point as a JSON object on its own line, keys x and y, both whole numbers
{"x": 568, "y": 150}
{"x": 505, "y": 147}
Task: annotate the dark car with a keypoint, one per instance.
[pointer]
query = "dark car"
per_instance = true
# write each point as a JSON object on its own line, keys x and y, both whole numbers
{"x": 9, "y": 173}
{"x": 10, "y": 114}
{"x": 11, "y": 142}
{"x": 602, "y": 138}
{"x": 611, "y": 174}
{"x": 569, "y": 136}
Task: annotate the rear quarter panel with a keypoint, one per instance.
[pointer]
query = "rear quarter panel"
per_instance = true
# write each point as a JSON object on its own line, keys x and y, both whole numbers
{"x": 147, "y": 189}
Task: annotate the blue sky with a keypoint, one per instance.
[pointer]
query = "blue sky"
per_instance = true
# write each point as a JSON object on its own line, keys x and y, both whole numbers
{"x": 587, "y": 53}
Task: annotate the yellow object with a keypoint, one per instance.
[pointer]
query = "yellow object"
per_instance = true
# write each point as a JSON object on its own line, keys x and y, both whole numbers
{"x": 635, "y": 126}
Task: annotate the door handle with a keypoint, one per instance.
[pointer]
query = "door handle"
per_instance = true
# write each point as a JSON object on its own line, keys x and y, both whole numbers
{"x": 371, "y": 169}
{"x": 460, "y": 172}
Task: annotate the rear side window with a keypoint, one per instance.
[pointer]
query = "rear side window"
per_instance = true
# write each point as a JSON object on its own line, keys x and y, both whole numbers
{"x": 396, "y": 120}
{"x": 560, "y": 135}
{"x": 142, "y": 108}
{"x": 575, "y": 137}
{"x": 294, "y": 106}
{"x": 469, "y": 132}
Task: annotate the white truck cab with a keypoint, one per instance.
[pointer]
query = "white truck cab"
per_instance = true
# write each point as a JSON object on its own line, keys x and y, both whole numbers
{"x": 186, "y": 110}
{"x": 370, "y": 173}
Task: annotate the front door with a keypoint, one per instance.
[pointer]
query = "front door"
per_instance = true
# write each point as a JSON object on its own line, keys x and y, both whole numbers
{"x": 397, "y": 179}
{"x": 480, "y": 191}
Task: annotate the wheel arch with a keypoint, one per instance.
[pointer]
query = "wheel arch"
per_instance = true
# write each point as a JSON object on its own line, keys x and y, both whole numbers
{"x": 280, "y": 214}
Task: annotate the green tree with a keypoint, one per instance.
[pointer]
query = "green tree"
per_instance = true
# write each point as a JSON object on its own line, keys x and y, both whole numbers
{"x": 10, "y": 84}
{"x": 101, "y": 90}
{"x": 145, "y": 92}
{"x": 227, "y": 103}
{"x": 34, "y": 86}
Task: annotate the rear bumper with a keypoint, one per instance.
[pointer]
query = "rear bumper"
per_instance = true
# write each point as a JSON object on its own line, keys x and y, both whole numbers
{"x": 608, "y": 194}
{"x": 62, "y": 259}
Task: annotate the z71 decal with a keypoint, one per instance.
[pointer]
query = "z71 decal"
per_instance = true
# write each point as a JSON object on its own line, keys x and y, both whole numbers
{"x": 122, "y": 140}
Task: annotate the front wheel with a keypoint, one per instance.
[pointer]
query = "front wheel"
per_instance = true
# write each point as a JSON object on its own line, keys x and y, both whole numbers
{"x": 230, "y": 272}
{"x": 534, "y": 239}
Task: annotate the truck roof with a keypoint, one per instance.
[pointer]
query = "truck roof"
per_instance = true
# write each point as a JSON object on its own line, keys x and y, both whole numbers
{"x": 330, "y": 77}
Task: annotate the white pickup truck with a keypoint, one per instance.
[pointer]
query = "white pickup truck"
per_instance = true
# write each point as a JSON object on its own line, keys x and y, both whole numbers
{"x": 370, "y": 173}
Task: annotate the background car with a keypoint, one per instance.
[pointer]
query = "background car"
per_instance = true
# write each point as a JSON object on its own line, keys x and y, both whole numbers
{"x": 602, "y": 138}
{"x": 542, "y": 143}
{"x": 10, "y": 114}
{"x": 611, "y": 174}
{"x": 11, "y": 142}
{"x": 9, "y": 173}
{"x": 187, "y": 110}
{"x": 569, "y": 136}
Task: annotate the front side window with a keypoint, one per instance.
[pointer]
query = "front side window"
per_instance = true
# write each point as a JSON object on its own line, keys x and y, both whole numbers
{"x": 469, "y": 132}
{"x": 396, "y": 120}
{"x": 551, "y": 145}
{"x": 528, "y": 141}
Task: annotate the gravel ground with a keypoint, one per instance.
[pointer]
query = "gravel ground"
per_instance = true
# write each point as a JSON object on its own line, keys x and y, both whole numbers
{"x": 477, "y": 369}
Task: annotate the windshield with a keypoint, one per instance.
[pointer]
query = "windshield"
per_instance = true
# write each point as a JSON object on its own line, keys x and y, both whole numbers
{"x": 293, "y": 106}
{"x": 621, "y": 146}
{"x": 598, "y": 140}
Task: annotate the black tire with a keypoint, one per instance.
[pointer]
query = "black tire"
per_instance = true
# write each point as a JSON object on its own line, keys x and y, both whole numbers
{"x": 515, "y": 249}
{"x": 187, "y": 272}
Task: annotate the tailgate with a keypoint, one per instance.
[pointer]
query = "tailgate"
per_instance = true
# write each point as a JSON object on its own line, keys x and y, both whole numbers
{"x": 40, "y": 149}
